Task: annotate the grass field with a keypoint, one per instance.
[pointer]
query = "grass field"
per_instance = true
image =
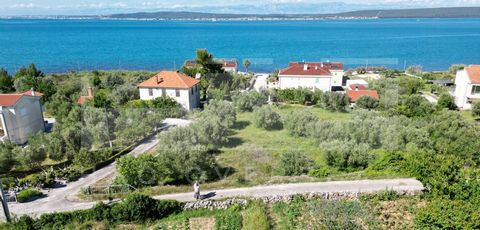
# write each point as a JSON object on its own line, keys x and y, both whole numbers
{"x": 252, "y": 154}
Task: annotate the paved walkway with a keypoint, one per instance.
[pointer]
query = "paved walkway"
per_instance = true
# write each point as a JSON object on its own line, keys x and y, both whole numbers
{"x": 57, "y": 204}
{"x": 64, "y": 198}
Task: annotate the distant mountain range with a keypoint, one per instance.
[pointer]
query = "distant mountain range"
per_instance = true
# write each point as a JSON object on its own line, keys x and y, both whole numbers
{"x": 453, "y": 12}
{"x": 450, "y": 12}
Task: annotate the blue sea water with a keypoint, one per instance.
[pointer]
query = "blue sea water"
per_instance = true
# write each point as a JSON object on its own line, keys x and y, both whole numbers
{"x": 67, "y": 45}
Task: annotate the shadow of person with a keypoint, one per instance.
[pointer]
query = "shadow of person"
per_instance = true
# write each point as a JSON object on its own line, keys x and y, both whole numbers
{"x": 208, "y": 195}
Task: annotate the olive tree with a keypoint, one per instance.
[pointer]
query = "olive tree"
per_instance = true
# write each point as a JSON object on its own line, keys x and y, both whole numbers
{"x": 266, "y": 117}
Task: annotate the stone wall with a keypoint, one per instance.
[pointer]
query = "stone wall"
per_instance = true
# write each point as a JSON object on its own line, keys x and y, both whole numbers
{"x": 224, "y": 204}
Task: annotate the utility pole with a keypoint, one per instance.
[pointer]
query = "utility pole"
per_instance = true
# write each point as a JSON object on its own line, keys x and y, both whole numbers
{"x": 4, "y": 202}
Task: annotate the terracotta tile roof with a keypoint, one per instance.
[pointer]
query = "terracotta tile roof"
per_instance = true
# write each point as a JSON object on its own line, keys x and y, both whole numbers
{"x": 357, "y": 86}
{"x": 229, "y": 63}
{"x": 12, "y": 99}
{"x": 312, "y": 68}
{"x": 83, "y": 99}
{"x": 29, "y": 93}
{"x": 473, "y": 72}
{"x": 357, "y": 94}
{"x": 169, "y": 79}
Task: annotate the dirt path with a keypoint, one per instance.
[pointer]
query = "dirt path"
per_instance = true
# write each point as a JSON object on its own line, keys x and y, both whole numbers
{"x": 64, "y": 198}
{"x": 49, "y": 204}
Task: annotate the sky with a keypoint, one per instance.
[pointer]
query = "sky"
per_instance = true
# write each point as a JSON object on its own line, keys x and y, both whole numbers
{"x": 95, "y": 7}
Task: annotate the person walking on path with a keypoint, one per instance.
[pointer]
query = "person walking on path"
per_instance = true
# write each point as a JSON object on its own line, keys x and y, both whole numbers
{"x": 196, "y": 189}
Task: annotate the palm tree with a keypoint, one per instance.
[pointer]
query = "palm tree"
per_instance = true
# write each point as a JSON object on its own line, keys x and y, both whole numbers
{"x": 246, "y": 64}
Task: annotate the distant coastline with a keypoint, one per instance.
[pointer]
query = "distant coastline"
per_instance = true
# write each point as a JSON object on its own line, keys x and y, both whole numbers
{"x": 449, "y": 12}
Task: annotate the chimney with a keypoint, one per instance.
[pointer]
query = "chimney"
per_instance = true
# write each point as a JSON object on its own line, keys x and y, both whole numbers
{"x": 305, "y": 67}
{"x": 356, "y": 87}
{"x": 322, "y": 64}
{"x": 90, "y": 92}
{"x": 159, "y": 79}
{"x": 33, "y": 91}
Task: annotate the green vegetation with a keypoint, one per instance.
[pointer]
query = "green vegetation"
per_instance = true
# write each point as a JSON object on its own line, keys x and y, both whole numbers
{"x": 267, "y": 118}
{"x": 27, "y": 195}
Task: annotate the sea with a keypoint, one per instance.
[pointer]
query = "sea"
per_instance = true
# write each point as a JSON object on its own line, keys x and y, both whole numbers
{"x": 77, "y": 45}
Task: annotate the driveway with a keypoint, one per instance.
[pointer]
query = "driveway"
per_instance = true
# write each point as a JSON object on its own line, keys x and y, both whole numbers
{"x": 365, "y": 186}
{"x": 64, "y": 198}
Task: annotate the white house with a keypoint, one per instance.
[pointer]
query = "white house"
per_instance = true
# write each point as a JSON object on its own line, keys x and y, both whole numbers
{"x": 184, "y": 89}
{"x": 467, "y": 90}
{"x": 21, "y": 115}
{"x": 311, "y": 75}
{"x": 227, "y": 65}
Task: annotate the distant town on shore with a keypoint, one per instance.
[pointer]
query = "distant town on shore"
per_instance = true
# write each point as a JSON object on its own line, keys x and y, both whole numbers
{"x": 447, "y": 12}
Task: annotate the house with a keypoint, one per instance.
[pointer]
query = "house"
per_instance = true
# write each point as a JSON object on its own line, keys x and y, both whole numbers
{"x": 83, "y": 99}
{"x": 230, "y": 65}
{"x": 357, "y": 93}
{"x": 356, "y": 82}
{"x": 21, "y": 115}
{"x": 311, "y": 75}
{"x": 184, "y": 89}
{"x": 227, "y": 65}
{"x": 467, "y": 89}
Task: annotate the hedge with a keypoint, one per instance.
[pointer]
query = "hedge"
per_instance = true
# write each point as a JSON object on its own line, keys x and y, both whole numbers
{"x": 135, "y": 208}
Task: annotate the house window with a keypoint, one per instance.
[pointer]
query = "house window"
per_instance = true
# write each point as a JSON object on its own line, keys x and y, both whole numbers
{"x": 164, "y": 92}
{"x": 191, "y": 90}
{"x": 476, "y": 89}
{"x": 150, "y": 92}
{"x": 177, "y": 93}
{"x": 317, "y": 80}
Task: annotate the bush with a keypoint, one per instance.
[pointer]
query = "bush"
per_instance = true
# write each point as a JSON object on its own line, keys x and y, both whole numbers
{"x": 28, "y": 194}
{"x": 247, "y": 101}
{"x": 448, "y": 214}
{"x": 298, "y": 123}
{"x": 223, "y": 110}
{"x": 86, "y": 159}
{"x": 137, "y": 207}
{"x": 294, "y": 164}
{"x": 476, "y": 109}
{"x": 265, "y": 117}
{"x": 446, "y": 101}
{"x": 335, "y": 102}
{"x": 347, "y": 155}
{"x": 255, "y": 218}
{"x": 300, "y": 95}
{"x": 228, "y": 220}
{"x": 321, "y": 172}
{"x": 366, "y": 102}
{"x": 141, "y": 171}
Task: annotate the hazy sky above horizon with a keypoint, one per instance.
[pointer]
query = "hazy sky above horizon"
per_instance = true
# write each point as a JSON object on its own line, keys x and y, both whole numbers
{"x": 41, "y": 7}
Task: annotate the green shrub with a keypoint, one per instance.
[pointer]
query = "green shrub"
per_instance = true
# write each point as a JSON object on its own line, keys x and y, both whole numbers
{"x": 323, "y": 171}
{"x": 446, "y": 101}
{"x": 223, "y": 110}
{"x": 27, "y": 194}
{"x": 294, "y": 163}
{"x": 347, "y": 155}
{"x": 25, "y": 223}
{"x": 228, "y": 220}
{"x": 255, "y": 218}
{"x": 335, "y": 101}
{"x": 247, "y": 101}
{"x": 265, "y": 117}
{"x": 300, "y": 95}
{"x": 476, "y": 109}
{"x": 298, "y": 123}
{"x": 366, "y": 102}
{"x": 448, "y": 214}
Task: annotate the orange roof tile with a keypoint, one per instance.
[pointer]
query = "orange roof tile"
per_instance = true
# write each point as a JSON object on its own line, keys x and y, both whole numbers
{"x": 12, "y": 99}
{"x": 313, "y": 68}
{"x": 169, "y": 79}
{"x": 473, "y": 72}
{"x": 357, "y": 94}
